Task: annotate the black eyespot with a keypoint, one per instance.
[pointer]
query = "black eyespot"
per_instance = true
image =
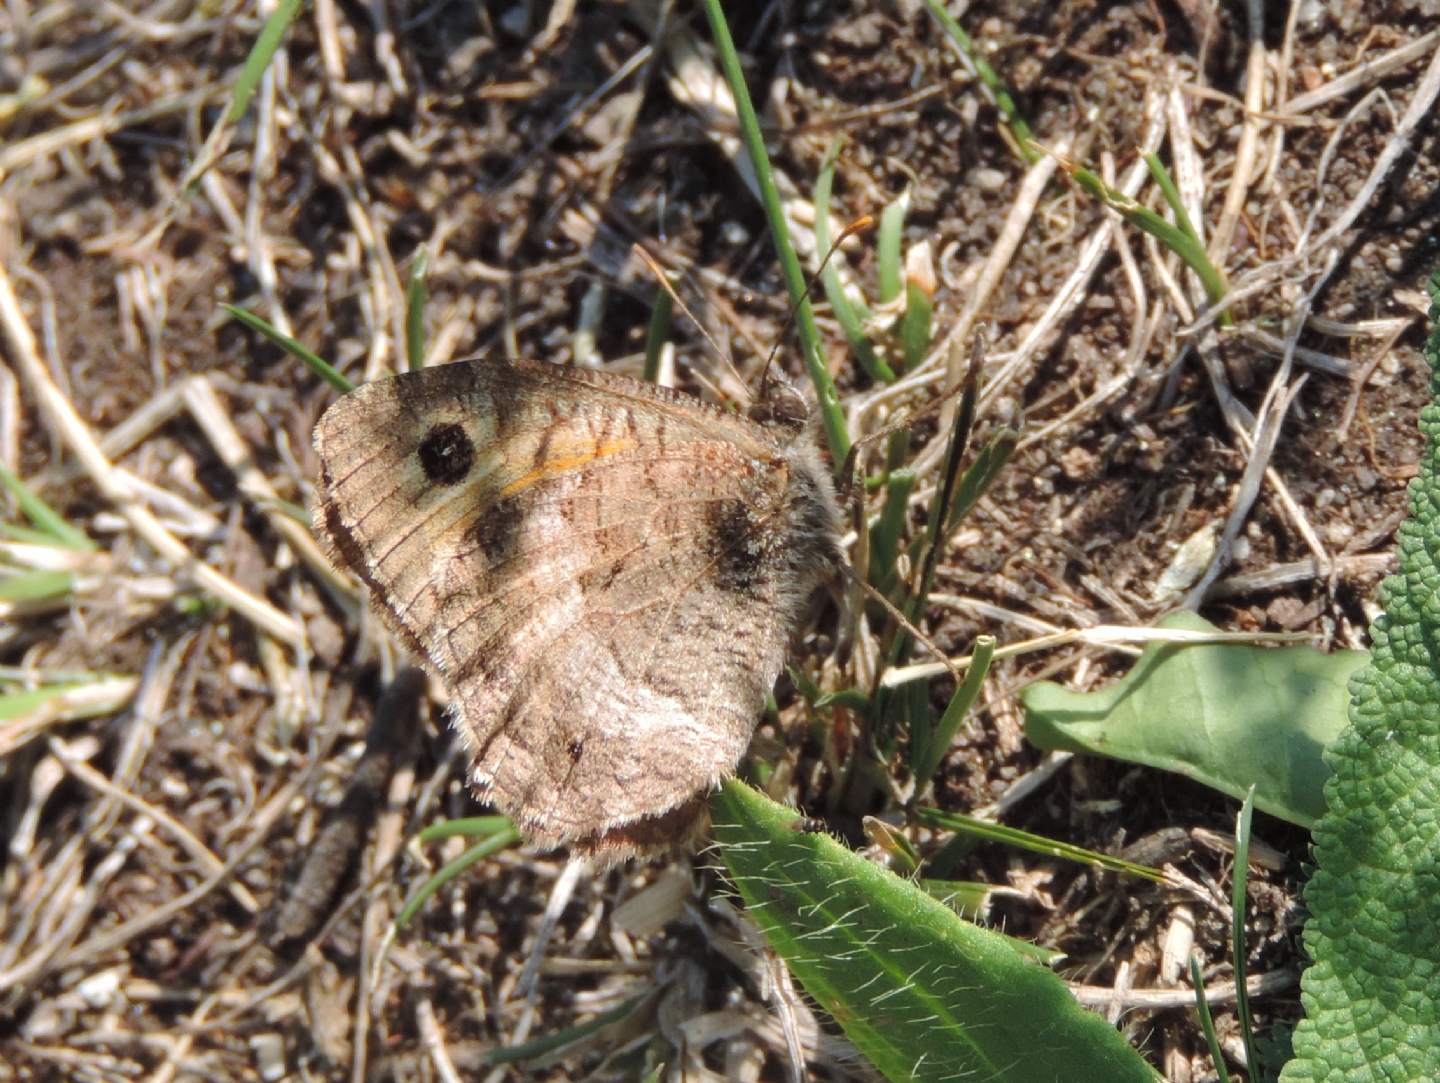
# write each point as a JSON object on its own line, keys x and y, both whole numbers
{"x": 446, "y": 454}
{"x": 574, "y": 749}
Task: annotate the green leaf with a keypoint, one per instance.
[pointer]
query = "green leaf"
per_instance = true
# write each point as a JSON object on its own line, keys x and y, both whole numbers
{"x": 923, "y": 994}
{"x": 1228, "y": 715}
{"x": 1374, "y": 928}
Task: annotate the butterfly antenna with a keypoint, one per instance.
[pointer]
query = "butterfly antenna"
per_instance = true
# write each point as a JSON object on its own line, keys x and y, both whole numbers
{"x": 664, "y": 280}
{"x": 864, "y": 222}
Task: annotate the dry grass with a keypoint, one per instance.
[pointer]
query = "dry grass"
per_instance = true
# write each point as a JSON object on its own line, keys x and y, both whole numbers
{"x": 157, "y": 820}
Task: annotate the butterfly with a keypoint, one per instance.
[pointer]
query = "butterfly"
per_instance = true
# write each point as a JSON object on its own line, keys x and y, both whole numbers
{"x": 606, "y": 574}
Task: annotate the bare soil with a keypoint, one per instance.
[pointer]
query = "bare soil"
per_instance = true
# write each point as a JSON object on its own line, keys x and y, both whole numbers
{"x": 491, "y": 136}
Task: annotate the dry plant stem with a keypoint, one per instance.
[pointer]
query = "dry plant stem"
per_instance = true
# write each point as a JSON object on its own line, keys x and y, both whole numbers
{"x": 1362, "y": 377}
{"x": 1073, "y": 292}
{"x": 1320, "y": 362}
{"x": 332, "y": 55}
{"x": 181, "y": 1046}
{"x": 63, "y": 420}
{"x": 1422, "y": 101}
{"x": 1142, "y": 333}
{"x": 1276, "y": 154}
{"x": 101, "y": 697}
{"x": 1244, "y": 164}
{"x": 1186, "y": 164}
{"x": 122, "y": 438}
{"x": 574, "y": 115}
{"x": 432, "y": 1040}
{"x": 54, "y": 951}
{"x": 262, "y": 173}
{"x": 388, "y": 841}
{"x": 117, "y": 937}
{"x": 387, "y": 287}
{"x": 1281, "y": 575}
{"x": 1372, "y": 71}
{"x": 1267, "y": 432}
{"x": 213, "y": 420}
{"x": 15, "y": 156}
{"x": 385, "y": 321}
{"x": 34, "y": 901}
{"x": 1107, "y": 636}
{"x": 84, "y": 773}
{"x": 785, "y": 1000}
{"x": 385, "y": 56}
{"x": 560, "y": 893}
{"x": 1032, "y": 186}
{"x": 1221, "y": 992}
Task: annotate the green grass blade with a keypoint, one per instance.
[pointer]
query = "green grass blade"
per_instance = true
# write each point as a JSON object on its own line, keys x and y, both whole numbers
{"x": 1017, "y": 124}
{"x": 1038, "y": 844}
{"x": 1239, "y": 879}
{"x": 1177, "y": 238}
{"x": 468, "y": 827}
{"x": 1193, "y": 251}
{"x": 498, "y": 841}
{"x": 887, "y": 248}
{"x": 1207, "y": 1021}
{"x": 915, "y": 325}
{"x": 850, "y": 316}
{"x": 261, "y": 54}
{"x": 981, "y": 474}
{"x": 46, "y": 519}
{"x": 885, "y": 535}
{"x": 926, "y": 754}
{"x": 35, "y": 585}
{"x": 549, "y": 1043}
{"x": 662, "y": 321}
{"x": 922, "y": 993}
{"x": 832, "y": 416}
{"x": 327, "y": 372}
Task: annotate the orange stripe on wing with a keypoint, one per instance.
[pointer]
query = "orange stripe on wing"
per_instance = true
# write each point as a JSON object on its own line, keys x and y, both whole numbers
{"x": 564, "y": 463}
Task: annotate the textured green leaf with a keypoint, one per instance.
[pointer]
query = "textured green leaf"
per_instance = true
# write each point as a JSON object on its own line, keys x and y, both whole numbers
{"x": 922, "y": 993}
{"x": 1374, "y": 929}
{"x": 1228, "y": 715}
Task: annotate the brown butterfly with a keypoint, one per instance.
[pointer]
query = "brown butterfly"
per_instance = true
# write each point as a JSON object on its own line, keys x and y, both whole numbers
{"x": 605, "y": 573}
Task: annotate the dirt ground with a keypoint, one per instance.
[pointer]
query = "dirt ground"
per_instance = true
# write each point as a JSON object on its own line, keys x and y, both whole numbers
{"x": 527, "y": 146}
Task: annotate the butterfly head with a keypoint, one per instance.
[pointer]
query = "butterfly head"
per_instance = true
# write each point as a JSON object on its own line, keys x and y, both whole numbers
{"x": 781, "y": 406}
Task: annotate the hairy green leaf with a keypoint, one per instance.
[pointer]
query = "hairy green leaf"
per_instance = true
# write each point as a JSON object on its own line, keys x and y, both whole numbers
{"x": 922, "y": 993}
{"x": 1374, "y": 928}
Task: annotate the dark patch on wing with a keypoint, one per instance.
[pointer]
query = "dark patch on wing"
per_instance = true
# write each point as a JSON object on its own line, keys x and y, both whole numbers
{"x": 496, "y": 532}
{"x": 574, "y": 749}
{"x": 446, "y": 454}
{"x": 737, "y": 543}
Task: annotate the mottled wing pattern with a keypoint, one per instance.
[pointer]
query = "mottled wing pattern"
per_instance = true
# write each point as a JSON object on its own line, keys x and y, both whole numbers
{"x": 596, "y": 566}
